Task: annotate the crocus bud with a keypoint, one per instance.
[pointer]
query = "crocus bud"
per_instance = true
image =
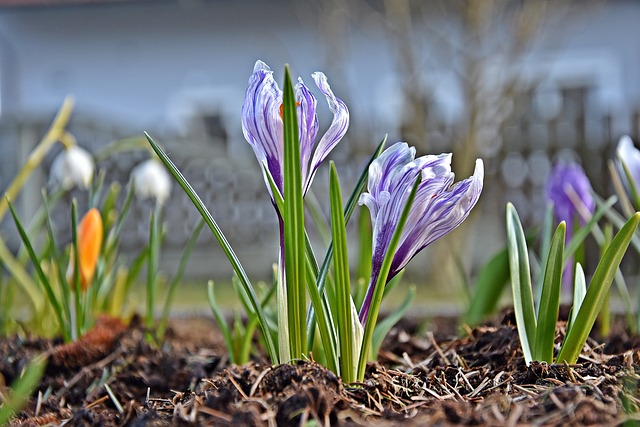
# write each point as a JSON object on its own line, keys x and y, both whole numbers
{"x": 567, "y": 181}
{"x": 151, "y": 179}
{"x": 90, "y": 235}
{"x": 73, "y": 167}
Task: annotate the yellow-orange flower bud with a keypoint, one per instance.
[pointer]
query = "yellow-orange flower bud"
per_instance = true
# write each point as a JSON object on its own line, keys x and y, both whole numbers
{"x": 89, "y": 243}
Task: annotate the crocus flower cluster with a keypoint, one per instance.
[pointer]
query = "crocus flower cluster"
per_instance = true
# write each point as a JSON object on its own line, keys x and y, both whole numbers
{"x": 439, "y": 206}
{"x": 262, "y": 124}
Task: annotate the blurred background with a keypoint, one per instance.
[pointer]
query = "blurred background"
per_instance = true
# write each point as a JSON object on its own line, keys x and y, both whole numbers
{"x": 518, "y": 83}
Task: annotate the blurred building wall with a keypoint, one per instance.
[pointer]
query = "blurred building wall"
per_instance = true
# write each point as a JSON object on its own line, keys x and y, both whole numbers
{"x": 179, "y": 70}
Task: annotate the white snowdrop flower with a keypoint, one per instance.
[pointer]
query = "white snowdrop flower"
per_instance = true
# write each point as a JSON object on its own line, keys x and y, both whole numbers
{"x": 73, "y": 167}
{"x": 151, "y": 179}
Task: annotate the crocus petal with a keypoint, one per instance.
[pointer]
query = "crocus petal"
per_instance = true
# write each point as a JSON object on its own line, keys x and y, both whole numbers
{"x": 336, "y": 131}
{"x": 308, "y": 125}
{"x": 261, "y": 121}
{"x": 90, "y": 234}
{"x": 436, "y": 214}
{"x": 630, "y": 155}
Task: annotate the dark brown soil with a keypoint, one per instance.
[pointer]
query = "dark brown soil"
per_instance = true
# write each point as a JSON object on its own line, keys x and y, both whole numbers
{"x": 420, "y": 379}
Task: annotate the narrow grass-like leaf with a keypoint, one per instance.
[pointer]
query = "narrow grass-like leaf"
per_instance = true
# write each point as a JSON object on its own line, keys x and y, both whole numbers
{"x": 521, "y": 283}
{"x": 632, "y": 185}
{"x": 152, "y": 267}
{"x": 550, "y": 298}
{"x": 348, "y": 211}
{"x": 383, "y": 327}
{"x": 585, "y": 230}
{"x": 53, "y": 300}
{"x": 222, "y": 241}
{"x": 378, "y": 291}
{"x": 596, "y": 292}
{"x": 617, "y": 220}
{"x": 220, "y": 320}
{"x": 489, "y": 286}
{"x": 315, "y": 210}
{"x": 57, "y": 259}
{"x": 78, "y": 319}
{"x": 21, "y": 389}
{"x": 293, "y": 218}
{"x": 616, "y": 180}
{"x": 547, "y": 232}
{"x": 177, "y": 277}
{"x": 579, "y": 292}
{"x": 319, "y": 305}
{"x": 341, "y": 277}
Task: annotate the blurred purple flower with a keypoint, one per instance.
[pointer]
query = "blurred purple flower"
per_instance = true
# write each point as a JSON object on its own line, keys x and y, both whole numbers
{"x": 439, "y": 206}
{"x": 567, "y": 185}
{"x": 263, "y": 128}
{"x": 569, "y": 189}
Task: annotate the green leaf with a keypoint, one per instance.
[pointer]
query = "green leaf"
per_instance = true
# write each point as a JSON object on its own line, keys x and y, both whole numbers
{"x": 222, "y": 241}
{"x": 293, "y": 218}
{"x": 383, "y": 328}
{"x": 57, "y": 259}
{"x": 77, "y": 330}
{"x": 579, "y": 292}
{"x": 583, "y": 232}
{"x": 596, "y": 293}
{"x": 152, "y": 268}
{"x": 618, "y": 221}
{"x": 521, "y": 283}
{"x": 341, "y": 278}
{"x": 378, "y": 291}
{"x": 22, "y": 388}
{"x": 489, "y": 286}
{"x": 547, "y": 231}
{"x": 550, "y": 298}
{"x": 632, "y": 185}
{"x": 53, "y": 300}
{"x": 177, "y": 277}
{"x": 220, "y": 320}
{"x": 348, "y": 211}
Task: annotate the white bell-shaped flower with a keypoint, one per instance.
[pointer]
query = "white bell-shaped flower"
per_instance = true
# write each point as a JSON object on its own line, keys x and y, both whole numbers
{"x": 151, "y": 179}
{"x": 73, "y": 167}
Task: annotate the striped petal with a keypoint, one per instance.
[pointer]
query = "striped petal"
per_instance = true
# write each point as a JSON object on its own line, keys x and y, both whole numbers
{"x": 439, "y": 207}
{"x": 336, "y": 131}
{"x": 261, "y": 121}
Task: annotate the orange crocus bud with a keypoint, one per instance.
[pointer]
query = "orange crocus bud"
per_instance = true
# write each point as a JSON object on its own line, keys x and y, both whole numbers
{"x": 89, "y": 244}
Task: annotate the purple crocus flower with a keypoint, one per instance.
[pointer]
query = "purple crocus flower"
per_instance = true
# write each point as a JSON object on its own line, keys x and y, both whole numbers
{"x": 567, "y": 185}
{"x": 569, "y": 189}
{"x": 439, "y": 206}
{"x": 263, "y": 127}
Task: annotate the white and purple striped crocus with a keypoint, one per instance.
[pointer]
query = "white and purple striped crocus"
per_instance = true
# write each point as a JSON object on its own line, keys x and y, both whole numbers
{"x": 263, "y": 127}
{"x": 439, "y": 205}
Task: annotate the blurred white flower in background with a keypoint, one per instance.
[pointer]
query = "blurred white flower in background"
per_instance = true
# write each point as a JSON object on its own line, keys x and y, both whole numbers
{"x": 73, "y": 167}
{"x": 151, "y": 179}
